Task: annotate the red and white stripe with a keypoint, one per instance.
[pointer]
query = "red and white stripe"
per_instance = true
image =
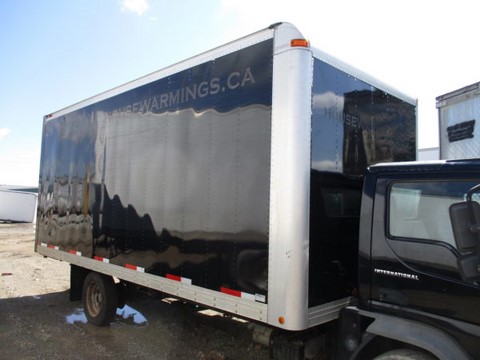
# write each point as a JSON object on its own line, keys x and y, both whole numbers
{"x": 135, "y": 267}
{"x": 74, "y": 252}
{"x": 102, "y": 259}
{"x": 243, "y": 295}
{"x": 179, "y": 278}
{"x": 45, "y": 245}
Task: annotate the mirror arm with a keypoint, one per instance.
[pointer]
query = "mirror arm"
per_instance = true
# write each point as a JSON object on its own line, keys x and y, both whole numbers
{"x": 473, "y": 190}
{"x": 474, "y": 227}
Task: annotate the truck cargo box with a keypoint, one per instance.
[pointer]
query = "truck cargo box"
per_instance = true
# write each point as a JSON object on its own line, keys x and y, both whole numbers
{"x": 231, "y": 179}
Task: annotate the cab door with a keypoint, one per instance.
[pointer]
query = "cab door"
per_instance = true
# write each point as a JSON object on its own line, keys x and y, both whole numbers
{"x": 413, "y": 253}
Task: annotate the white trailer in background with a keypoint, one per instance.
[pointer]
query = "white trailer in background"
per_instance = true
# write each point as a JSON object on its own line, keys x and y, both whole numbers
{"x": 458, "y": 116}
{"x": 18, "y": 204}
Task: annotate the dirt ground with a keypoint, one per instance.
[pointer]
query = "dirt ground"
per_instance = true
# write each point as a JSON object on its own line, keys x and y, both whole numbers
{"x": 37, "y": 320}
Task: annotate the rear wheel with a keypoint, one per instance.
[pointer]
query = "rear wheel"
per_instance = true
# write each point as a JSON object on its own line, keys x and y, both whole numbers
{"x": 100, "y": 298}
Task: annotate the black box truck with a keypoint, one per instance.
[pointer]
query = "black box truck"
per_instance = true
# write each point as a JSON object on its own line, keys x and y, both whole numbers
{"x": 237, "y": 180}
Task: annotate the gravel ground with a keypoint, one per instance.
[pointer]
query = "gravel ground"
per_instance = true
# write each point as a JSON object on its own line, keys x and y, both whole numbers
{"x": 37, "y": 320}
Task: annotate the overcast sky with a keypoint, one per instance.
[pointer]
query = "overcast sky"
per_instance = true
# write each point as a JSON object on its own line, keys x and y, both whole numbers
{"x": 55, "y": 53}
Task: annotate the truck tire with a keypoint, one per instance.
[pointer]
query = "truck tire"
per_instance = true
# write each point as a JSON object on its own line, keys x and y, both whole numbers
{"x": 99, "y": 298}
{"x": 405, "y": 354}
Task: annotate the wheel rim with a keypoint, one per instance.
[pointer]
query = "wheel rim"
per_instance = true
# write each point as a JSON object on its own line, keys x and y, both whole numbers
{"x": 94, "y": 299}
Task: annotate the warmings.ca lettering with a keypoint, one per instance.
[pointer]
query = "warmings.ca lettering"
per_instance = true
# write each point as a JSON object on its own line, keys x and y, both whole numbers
{"x": 195, "y": 91}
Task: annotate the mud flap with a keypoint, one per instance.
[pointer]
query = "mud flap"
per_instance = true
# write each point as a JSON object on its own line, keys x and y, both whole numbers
{"x": 77, "y": 277}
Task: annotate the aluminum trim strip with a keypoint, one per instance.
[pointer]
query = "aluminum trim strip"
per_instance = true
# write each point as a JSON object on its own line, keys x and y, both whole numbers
{"x": 289, "y": 184}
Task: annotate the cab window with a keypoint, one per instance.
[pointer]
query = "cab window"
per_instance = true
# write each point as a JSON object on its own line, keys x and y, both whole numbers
{"x": 419, "y": 227}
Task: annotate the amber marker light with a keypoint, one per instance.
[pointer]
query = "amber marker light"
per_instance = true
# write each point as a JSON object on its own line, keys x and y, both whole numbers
{"x": 299, "y": 43}
{"x": 281, "y": 320}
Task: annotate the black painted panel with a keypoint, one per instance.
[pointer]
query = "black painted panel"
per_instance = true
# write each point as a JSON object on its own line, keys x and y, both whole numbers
{"x": 354, "y": 125}
{"x": 172, "y": 176}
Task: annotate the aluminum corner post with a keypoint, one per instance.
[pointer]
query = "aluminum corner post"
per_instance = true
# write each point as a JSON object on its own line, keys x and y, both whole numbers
{"x": 290, "y": 182}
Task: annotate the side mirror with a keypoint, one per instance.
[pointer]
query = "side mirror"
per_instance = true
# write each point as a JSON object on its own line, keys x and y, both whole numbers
{"x": 465, "y": 219}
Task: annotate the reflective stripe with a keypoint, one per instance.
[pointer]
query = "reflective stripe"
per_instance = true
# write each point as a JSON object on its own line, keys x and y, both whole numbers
{"x": 243, "y": 295}
{"x": 134, "y": 267}
{"x": 99, "y": 258}
{"x": 179, "y": 278}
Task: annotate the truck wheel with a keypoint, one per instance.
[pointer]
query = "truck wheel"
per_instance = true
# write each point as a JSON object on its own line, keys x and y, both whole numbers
{"x": 405, "y": 354}
{"x": 100, "y": 298}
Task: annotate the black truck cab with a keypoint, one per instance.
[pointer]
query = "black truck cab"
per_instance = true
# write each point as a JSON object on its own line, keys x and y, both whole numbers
{"x": 419, "y": 279}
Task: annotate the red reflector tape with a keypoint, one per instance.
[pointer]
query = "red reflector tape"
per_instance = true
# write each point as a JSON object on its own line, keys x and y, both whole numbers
{"x": 99, "y": 258}
{"x": 174, "y": 277}
{"x": 74, "y": 252}
{"x": 231, "y": 292}
{"x": 243, "y": 295}
{"x": 54, "y": 247}
{"x": 179, "y": 278}
{"x": 135, "y": 267}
